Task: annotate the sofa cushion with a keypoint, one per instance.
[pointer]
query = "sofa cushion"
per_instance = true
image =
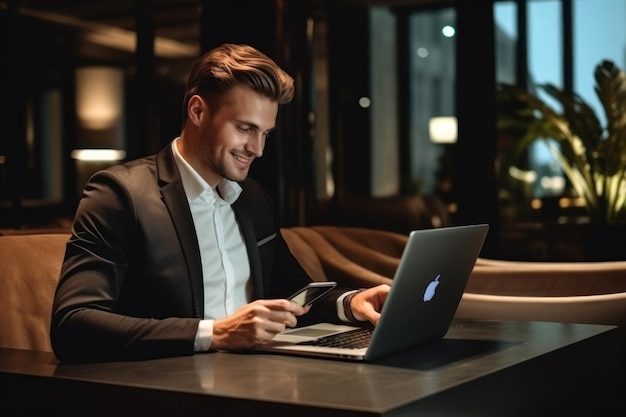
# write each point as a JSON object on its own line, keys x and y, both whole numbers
{"x": 592, "y": 309}
{"x": 547, "y": 279}
{"x": 336, "y": 265}
{"x": 30, "y": 266}
{"x": 305, "y": 254}
{"x": 376, "y": 250}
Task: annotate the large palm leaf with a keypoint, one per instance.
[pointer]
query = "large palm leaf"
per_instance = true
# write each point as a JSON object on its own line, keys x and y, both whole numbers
{"x": 592, "y": 157}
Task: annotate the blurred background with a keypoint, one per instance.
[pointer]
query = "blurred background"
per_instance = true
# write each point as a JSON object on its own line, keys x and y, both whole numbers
{"x": 394, "y": 125}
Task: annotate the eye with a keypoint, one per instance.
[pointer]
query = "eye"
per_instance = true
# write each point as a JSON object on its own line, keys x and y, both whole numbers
{"x": 244, "y": 128}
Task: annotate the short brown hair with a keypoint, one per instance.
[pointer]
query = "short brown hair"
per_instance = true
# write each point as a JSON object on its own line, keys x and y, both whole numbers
{"x": 230, "y": 65}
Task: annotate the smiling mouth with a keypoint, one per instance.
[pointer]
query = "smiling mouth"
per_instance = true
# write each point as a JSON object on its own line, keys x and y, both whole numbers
{"x": 242, "y": 160}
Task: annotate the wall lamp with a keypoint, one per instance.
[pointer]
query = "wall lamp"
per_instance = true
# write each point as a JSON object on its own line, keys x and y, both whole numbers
{"x": 99, "y": 155}
{"x": 443, "y": 129}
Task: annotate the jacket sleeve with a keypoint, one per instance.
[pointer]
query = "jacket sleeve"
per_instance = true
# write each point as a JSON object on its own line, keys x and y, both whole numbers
{"x": 282, "y": 275}
{"x": 89, "y": 322}
{"x": 288, "y": 270}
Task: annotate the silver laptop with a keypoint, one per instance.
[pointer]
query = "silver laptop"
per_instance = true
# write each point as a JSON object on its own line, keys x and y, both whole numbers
{"x": 426, "y": 291}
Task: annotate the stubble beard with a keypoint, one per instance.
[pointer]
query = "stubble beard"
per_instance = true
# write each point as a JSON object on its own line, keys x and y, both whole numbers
{"x": 219, "y": 166}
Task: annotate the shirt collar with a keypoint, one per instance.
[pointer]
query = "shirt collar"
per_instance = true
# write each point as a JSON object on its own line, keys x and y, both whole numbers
{"x": 195, "y": 186}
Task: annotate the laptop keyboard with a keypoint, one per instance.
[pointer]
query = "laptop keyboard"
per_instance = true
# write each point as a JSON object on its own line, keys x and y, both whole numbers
{"x": 352, "y": 339}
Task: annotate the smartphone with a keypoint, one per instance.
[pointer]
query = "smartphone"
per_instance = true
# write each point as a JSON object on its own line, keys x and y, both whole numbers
{"x": 311, "y": 292}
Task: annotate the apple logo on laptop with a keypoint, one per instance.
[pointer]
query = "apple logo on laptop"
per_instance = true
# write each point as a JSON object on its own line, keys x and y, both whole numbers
{"x": 430, "y": 289}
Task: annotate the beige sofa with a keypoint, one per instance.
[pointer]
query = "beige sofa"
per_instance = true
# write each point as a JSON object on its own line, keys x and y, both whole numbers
{"x": 30, "y": 265}
{"x": 573, "y": 292}
{"x": 567, "y": 292}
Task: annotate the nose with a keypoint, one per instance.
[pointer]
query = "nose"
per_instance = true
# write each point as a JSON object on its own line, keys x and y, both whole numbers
{"x": 256, "y": 144}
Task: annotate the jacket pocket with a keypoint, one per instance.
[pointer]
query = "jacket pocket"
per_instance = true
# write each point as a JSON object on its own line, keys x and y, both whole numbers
{"x": 265, "y": 240}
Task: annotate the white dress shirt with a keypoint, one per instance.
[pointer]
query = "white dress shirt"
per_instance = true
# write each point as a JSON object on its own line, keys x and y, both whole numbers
{"x": 225, "y": 266}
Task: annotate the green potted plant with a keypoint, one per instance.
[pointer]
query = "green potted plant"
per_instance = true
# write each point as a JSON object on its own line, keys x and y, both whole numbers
{"x": 593, "y": 157}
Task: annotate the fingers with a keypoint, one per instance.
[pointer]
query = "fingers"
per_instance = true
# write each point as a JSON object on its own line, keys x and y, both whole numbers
{"x": 255, "y": 323}
{"x": 280, "y": 305}
{"x": 285, "y": 311}
{"x": 274, "y": 315}
{"x": 368, "y": 313}
{"x": 367, "y": 305}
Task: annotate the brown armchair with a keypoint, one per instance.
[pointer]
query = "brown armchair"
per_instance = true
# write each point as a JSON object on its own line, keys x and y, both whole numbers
{"x": 30, "y": 265}
{"x": 580, "y": 292}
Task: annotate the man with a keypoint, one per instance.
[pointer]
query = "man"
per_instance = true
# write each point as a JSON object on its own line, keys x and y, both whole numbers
{"x": 180, "y": 252}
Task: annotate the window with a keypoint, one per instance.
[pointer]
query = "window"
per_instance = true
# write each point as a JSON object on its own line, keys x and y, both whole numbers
{"x": 597, "y": 33}
{"x": 431, "y": 82}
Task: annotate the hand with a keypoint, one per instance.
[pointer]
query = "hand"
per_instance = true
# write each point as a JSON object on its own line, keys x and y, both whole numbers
{"x": 366, "y": 305}
{"x": 255, "y": 323}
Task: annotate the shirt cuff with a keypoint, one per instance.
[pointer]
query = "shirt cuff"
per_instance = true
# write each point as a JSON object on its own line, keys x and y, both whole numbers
{"x": 341, "y": 311}
{"x": 204, "y": 336}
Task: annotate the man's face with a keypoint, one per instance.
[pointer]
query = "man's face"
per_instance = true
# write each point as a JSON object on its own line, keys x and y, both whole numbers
{"x": 234, "y": 134}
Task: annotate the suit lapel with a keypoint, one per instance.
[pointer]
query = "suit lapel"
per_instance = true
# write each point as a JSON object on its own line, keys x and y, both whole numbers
{"x": 249, "y": 236}
{"x": 176, "y": 202}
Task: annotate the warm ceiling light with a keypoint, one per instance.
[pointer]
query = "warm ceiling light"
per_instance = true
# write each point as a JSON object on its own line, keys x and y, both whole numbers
{"x": 100, "y": 155}
{"x": 117, "y": 38}
{"x": 99, "y": 97}
{"x": 127, "y": 41}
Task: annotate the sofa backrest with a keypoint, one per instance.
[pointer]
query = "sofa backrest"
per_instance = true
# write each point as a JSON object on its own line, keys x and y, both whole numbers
{"x": 335, "y": 249}
{"x": 305, "y": 254}
{"x": 30, "y": 265}
{"x": 547, "y": 279}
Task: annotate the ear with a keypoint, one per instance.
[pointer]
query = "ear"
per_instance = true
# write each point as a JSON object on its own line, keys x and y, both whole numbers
{"x": 196, "y": 109}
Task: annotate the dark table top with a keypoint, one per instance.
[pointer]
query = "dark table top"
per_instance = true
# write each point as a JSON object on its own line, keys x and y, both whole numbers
{"x": 490, "y": 352}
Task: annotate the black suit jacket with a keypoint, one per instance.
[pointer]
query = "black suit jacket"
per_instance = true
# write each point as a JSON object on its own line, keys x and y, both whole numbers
{"x": 131, "y": 283}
